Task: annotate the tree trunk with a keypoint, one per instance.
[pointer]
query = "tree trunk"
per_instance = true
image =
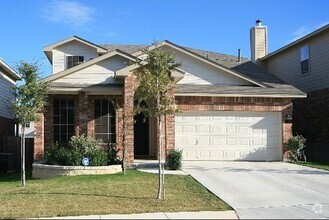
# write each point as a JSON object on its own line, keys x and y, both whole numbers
{"x": 124, "y": 142}
{"x": 160, "y": 186}
{"x": 163, "y": 181}
{"x": 23, "y": 155}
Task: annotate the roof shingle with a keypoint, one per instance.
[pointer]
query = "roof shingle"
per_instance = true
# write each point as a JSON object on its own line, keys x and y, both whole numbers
{"x": 244, "y": 67}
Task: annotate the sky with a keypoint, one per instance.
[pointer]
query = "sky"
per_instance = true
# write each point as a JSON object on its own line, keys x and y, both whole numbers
{"x": 27, "y": 26}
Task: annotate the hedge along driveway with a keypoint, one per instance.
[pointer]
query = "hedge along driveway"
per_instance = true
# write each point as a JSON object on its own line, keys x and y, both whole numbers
{"x": 134, "y": 192}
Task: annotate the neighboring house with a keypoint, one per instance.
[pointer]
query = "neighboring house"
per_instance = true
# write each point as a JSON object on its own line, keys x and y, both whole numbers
{"x": 304, "y": 63}
{"x": 230, "y": 108}
{"x": 8, "y": 78}
{"x": 29, "y": 130}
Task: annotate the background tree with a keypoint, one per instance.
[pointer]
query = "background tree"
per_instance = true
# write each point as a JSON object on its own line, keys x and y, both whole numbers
{"x": 153, "y": 95}
{"x": 30, "y": 98}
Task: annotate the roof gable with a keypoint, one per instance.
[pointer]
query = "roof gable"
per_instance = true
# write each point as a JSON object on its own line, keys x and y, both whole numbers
{"x": 202, "y": 59}
{"x": 48, "y": 50}
{"x": 88, "y": 64}
{"x": 300, "y": 40}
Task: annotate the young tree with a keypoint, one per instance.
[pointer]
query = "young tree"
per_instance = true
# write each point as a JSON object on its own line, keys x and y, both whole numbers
{"x": 153, "y": 95}
{"x": 30, "y": 98}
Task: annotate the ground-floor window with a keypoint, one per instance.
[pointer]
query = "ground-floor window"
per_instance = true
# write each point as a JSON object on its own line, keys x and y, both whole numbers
{"x": 105, "y": 121}
{"x": 63, "y": 120}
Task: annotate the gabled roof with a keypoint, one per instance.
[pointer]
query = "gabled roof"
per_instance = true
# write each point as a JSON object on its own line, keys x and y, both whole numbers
{"x": 268, "y": 85}
{"x": 48, "y": 50}
{"x": 87, "y": 64}
{"x": 228, "y": 61}
{"x": 177, "y": 74}
{"x": 204, "y": 59}
{"x": 11, "y": 73}
{"x": 300, "y": 40}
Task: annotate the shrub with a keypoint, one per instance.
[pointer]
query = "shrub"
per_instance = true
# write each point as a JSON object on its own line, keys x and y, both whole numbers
{"x": 112, "y": 153}
{"x": 296, "y": 144}
{"x": 84, "y": 144}
{"x": 80, "y": 147}
{"x": 98, "y": 158}
{"x": 58, "y": 155}
{"x": 174, "y": 160}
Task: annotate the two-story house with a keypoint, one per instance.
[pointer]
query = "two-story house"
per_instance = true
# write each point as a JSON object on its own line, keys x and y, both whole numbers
{"x": 8, "y": 78}
{"x": 304, "y": 63}
{"x": 230, "y": 108}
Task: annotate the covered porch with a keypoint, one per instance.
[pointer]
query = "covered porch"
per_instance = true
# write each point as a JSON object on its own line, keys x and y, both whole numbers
{"x": 104, "y": 112}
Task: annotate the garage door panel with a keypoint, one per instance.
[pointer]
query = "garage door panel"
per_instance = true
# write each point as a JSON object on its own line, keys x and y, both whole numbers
{"x": 244, "y": 141}
{"x": 204, "y": 129}
{"x": 230, "y": 129}
{"x": 219, "y": 135}
{"x": 217, "y": 128}
{"x": 217, "y": 141}
{"x": 190, "y": 154}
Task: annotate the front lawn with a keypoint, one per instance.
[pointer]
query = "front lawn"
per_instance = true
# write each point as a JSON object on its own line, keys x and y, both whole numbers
{"x": 134, "y": 192}
{"x": 318, "y": 165}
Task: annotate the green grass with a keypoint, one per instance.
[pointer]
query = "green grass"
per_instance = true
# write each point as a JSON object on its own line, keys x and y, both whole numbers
{"x": 134, "y": 192}
{"x": 318, "y": 165}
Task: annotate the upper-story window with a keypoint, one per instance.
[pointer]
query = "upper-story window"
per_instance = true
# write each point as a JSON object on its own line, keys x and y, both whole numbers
{"x": 304, "y": 58}
{"x": 72, "y": 61}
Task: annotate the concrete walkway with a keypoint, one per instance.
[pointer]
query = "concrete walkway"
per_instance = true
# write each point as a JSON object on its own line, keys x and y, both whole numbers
{"x": 266, "y": 190}
{"x": 151, "y": 166}
{"x": 160, "y": 215}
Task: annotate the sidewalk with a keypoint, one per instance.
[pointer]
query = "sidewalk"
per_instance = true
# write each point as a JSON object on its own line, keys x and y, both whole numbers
{"x": 151, "y": 166}
{"x": 161, "y": 215}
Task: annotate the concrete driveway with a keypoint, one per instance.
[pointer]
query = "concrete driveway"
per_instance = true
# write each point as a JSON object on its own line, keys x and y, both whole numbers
{"x": 265, "y": 189}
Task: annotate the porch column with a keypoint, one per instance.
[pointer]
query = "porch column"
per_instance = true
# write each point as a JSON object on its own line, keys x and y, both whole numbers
{"x": 128, "y": 114}
{"x": 170, "y": 129}
{"x": 39, "y": 138}
{"x": 119, "y": 129}
{"x": 83, "y": 113}
{"x": 286, "y": 128}
{"x": 170, "y": 133}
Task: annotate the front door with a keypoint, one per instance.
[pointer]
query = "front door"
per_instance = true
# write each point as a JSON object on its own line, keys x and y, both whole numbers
{"x": 141, "y": 135}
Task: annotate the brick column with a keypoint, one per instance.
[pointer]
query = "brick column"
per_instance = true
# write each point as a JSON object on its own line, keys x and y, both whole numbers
{"x": 119, "y": 130}
{"x": 286, "y": 128}
{"x": 83, "y": 113}
{"x": 170, "y": 133}
{"x": 39, "y": 138}
{"x": 170, "y": 128}
{"x": 128, "y": 113}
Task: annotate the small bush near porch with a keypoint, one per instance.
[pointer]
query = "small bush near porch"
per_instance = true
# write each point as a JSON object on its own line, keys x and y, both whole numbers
{"x": 134, "y": 192}
{"x": 80, "y": 147}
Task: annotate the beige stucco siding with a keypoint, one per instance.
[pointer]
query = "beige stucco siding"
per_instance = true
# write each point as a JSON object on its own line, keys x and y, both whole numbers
{"x": 286, "y": 65}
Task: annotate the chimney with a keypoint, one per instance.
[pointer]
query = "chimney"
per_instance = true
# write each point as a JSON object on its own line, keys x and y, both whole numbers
{"x": 258, "y": 41}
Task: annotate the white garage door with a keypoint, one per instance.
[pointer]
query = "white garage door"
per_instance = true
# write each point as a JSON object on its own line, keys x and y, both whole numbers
{"x": 229, "y": 135}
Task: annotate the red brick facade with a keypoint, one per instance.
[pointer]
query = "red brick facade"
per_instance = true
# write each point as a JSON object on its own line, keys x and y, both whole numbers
{"x": 124, "y": 105}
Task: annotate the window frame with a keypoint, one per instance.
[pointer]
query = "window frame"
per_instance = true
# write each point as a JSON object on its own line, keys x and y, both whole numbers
{"x": 64, "y": 120}
{"x": 305, "y": 59}
{"x": 105, "y": 118}
{"x": 72, "y": 61}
